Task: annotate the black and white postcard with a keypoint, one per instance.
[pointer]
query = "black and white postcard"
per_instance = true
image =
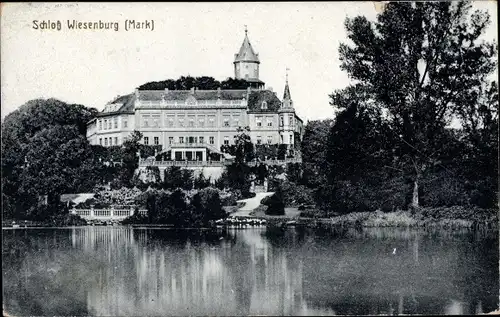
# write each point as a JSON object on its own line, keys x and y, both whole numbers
{"x": 249, "y": 158}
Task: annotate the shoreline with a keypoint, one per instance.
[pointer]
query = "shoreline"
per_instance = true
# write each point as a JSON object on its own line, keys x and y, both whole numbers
{"x": 396, "y": 219}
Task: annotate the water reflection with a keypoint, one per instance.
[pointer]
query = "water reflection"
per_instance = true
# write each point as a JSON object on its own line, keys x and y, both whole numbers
{"x": 117, "y": 271}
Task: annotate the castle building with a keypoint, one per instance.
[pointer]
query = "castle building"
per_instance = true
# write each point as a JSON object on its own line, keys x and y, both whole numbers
{"x": 191, "y": 122}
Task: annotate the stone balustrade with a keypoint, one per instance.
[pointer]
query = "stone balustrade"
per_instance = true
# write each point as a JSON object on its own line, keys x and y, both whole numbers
{"x": 105, "y": 213}
{"x": 145, "y": 163}
{"x": 276, "y": 162}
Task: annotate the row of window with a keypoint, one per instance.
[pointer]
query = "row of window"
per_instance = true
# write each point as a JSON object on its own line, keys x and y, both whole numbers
{"x": 108, "y": 124}
{"x": 154, "y": 121}
{"x": 181, "y": 139}
{"x": 290, "y": 120}
{"x": 201, "y": 139}
{"x": 108, "y": 141}
{"x": 270, "y": 139}
{"x": 258, "y": 121}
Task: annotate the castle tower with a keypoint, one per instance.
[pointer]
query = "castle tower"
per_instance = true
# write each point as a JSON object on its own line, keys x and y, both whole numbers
{"x": 287, "y": 117}
{"x": 246, "y": 64}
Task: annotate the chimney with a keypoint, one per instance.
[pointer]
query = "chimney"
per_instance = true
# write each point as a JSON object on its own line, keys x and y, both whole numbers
{"x": 192, "y": 90}
{"x": 270, "y": 89}
{"x": 137, "y": 92}
{"x": 166, "y": 89}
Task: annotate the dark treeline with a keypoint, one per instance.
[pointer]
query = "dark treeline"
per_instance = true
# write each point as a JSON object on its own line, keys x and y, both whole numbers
{"x": 202, "y": 83}
{"x": 45, "y": 153}
{"x": 419, "y": 125}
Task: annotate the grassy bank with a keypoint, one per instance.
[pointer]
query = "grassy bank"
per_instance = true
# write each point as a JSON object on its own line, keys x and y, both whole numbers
{"x": 446, "y": 217}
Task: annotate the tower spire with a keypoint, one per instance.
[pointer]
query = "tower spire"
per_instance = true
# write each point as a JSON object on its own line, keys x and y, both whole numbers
{"x": 246, "y": 63}
{"x": 246, "y": 53}
{"x": 286, "y": 94}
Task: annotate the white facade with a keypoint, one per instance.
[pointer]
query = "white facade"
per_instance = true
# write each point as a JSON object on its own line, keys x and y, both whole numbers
{"x": 209, "y": 117}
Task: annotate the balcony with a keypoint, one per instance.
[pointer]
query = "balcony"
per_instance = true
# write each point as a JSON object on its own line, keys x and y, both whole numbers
{"x": 188, "y": 145}
{"x": 145, "y": 163}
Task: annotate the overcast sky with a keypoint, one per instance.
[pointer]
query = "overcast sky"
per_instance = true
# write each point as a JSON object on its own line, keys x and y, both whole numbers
{"x": 91, "y": 67}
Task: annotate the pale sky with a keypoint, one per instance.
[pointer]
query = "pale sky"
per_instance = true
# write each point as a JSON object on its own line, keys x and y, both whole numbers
{"x": 91, "y": 67}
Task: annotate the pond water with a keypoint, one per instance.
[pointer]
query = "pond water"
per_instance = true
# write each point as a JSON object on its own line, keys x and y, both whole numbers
{"x": 120, "y": 271}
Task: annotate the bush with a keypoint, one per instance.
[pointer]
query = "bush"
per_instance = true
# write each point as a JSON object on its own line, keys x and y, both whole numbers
{"x": 274, "y": 205}
{"x": 68, "y": 220}
{"x": 236, "y": 177}
{"x": 172, "y": 178}
{"x": 294, "y": 172}
{"x": 187, "y": 179}
{"x": 441, "y": 189}
{"x": 122, "y": 196}
{"x": 206, "y": 206}
{"x": 181, "y": 208}
{"x": 201, "y": 181}
{"x": 135, "y": 218}
{"x": 365, "y": 194}
{"x": 266, "y": 150}
{"x": 232, "y": 198}
{"x": 152, "y": 175}
{"x": 149, "y": 150}
{"x": 282, "y": 151}
{"x": 292, "y": 195}
{"x": 219, "y": 183}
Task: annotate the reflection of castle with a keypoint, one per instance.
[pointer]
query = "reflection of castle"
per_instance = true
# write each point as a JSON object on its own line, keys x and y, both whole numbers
{"x": 195, "y": 122}
{"x": 242, "y": 276}
{"x": 144, "y": 272}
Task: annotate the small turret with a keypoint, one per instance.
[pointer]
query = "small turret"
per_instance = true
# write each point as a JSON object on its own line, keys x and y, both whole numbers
{"x": 287, "y": 97}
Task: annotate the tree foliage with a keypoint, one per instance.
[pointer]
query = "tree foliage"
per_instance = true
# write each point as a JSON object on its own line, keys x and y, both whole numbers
{"x": 182, "y": 210}
{"x": 275, "y": 205}
{"x": 417, "y": 67}
{"x": 130, "y": 157}
{"x": 172, "y": 178}
{"x": 45, "y": 152}
{"x": 243, "y": 149}
{"x": 201, "y": 83}
{"x": 314, "y": 151}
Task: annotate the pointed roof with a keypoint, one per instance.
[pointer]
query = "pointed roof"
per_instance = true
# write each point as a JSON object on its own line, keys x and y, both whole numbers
{"x": 246, "y": 53}
{"x": 286, "y": 94}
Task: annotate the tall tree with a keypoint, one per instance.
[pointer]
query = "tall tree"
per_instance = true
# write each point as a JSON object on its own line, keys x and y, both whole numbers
{"x": 243, "y": 146}
{"x": 131, "y": 152}
{"x": 45, "y": 152}
{"x": 420, "y": 63}
{"x": 314, "y": 151}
